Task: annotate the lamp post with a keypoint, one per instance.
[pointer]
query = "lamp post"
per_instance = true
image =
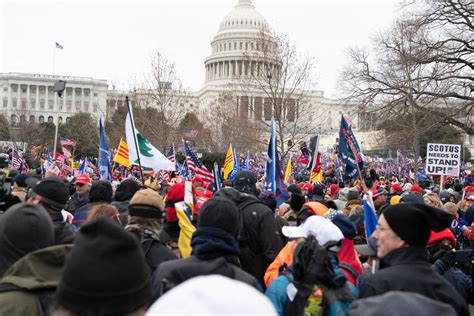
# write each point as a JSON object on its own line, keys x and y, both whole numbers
{"x": 59, "y": 88}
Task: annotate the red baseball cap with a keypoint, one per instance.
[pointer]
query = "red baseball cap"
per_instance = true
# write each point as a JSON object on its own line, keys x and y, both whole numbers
{"x": 83, "y": 178}
{"x": 396, "y": 187}
{"x": 416, "y": 188}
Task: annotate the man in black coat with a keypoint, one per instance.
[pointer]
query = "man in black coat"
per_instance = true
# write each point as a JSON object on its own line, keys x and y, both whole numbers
{"x": 402, "y": 234}
{"x": 52, "y": 194}
{"x": 259, "y": 239}
{"x": 215, "y": 250}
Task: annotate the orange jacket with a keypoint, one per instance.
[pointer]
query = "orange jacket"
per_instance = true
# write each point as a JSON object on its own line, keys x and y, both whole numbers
{"x": 284, "y": 256}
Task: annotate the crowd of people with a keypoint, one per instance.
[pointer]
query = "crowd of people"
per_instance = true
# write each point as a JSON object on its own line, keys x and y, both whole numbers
{"x": 86, "y": 247}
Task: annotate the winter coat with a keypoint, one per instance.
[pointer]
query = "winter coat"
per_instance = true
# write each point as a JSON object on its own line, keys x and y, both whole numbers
{"x": 260, "y": 241}
{"x": 350, "y": 205}
{"x": 33, "y": 275}
{"x": 284, "y": 257}
{"x": 81, "y": 214}
{"x": 408, "y": 270}
{"x": 75, "y": 202}
{"x": 122, "y": 206}
{"x": 64, "y": 233}
{"x": 458, "y": 279}
{"x": 341, "y": 198}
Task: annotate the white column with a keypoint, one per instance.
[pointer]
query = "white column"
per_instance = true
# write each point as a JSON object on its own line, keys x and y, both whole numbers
{"x": 28, "y": 105}
{"x": 73, "y": 108}
{"x": 18, "y": 98}
{"x": 82, "y": 99}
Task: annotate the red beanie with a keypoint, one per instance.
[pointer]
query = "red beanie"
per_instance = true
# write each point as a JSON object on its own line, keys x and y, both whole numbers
{"x": 444, "y": 234}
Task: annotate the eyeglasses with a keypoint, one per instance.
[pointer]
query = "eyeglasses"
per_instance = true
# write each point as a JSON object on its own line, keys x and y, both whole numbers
{"x": 80, "y": 184}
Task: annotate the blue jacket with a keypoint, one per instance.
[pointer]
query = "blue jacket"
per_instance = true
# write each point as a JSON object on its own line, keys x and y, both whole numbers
{"x": 458, "y": 279}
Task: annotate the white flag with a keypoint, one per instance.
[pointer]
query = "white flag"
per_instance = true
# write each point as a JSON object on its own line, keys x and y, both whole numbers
{"x": 149, "y": 155}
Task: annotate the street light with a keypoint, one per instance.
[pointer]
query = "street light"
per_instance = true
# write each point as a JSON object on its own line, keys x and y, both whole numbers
{"x": 59, "y": 87}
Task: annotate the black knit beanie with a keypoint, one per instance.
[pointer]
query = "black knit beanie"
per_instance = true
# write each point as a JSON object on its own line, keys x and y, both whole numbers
{"x": 105, "y": 272}
{"x": 24, "y": 228}
{"x": 413, "y": 223}
{"x": 126, "y": 189}
{"x": 101, "y": 191}
{"x": 220, "y": 213}
{"x": 245, "y": 182}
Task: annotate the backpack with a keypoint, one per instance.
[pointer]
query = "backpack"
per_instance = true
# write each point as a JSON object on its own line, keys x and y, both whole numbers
{"x": 247, "y": 254}
{"x": 44, "y": 297}
{"x": 147, "y": 241}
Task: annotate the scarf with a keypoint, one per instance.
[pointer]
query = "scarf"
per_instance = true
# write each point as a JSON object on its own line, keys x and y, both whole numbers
{"x": 210, "y": 240}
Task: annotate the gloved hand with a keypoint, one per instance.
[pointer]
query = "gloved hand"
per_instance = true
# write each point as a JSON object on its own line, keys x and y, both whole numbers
{"x": 447, "y": 259}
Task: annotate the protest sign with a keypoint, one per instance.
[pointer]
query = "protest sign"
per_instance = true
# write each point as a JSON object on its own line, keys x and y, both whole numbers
{"x": 443, "y": 159}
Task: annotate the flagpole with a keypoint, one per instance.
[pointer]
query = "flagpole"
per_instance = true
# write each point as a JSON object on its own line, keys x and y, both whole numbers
{"x": 135, "y": 139}
{"x": 54, "y": 59}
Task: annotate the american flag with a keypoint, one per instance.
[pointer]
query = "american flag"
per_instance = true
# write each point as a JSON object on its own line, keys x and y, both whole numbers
{"x": 17, "y": 160}
{"x": 165, "y": 174}
{"x": 66, "y": 142}
{"x": 196, "y": 166}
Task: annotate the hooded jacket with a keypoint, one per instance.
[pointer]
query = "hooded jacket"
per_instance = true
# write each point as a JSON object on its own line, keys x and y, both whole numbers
{"x": 37, "y": 272}
{"x": 259, "y": 239}
{"x": 408, "y": 270}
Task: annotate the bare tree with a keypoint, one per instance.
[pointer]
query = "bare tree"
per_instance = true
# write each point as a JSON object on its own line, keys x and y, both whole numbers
{"x": 273, "y": 80}
{"x": 390, "y": 84}
{"x": 164, "y": 91}
{"x": 449, "y": 33}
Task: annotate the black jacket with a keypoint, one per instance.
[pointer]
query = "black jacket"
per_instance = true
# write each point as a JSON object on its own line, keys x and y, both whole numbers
{"x": 408, "y": 270}
{"x": 259, "y": 241}
{"x": 122, "y": 206}
{"x": 64, "y": 233}
{"x": 172, "y": 273}
{"x": 154, "y": 250}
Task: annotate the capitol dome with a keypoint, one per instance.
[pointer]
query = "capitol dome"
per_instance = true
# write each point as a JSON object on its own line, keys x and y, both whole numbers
{"x": 244, "y": 16}
{"x": 238, "y": 37}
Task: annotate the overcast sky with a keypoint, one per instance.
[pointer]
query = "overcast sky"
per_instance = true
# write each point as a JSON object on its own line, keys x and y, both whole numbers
{"x": 114, "y": 40}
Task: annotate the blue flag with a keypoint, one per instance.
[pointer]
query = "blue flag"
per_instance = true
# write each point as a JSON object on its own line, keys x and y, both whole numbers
{"x": 182, "y": 170}
{"x": 217, "y": 177}
{"x": 370, "y": 219}
{"x": 83, "y": 166}
{"x": 273, "y": 175}
{"x": 349, "y": 150}
{"x": 105, "y": 168}
{"x": 237, "y": 168}
{"x": 246, "y": 163}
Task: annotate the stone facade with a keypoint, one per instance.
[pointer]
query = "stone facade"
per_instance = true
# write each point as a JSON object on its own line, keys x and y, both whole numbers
{"x": 31, "y": 97}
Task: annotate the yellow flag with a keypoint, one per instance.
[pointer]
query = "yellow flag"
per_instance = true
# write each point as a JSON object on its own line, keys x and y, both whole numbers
{"x": 288, "y": 171}
{"x": 121, "y": 156}
{"x": 229, "y": 162}
{"x": 316, "y": 177}
{"x": 186, "y": 231}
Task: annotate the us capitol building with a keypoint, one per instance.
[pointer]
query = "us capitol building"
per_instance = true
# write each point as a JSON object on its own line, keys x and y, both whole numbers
{"x": 233, "y": 59}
